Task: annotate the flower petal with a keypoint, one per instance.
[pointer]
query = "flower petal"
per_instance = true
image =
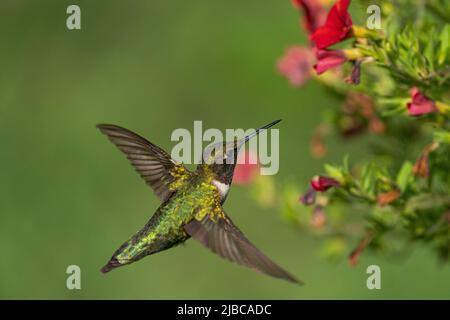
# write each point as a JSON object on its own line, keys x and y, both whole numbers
{"x": 328, "y": 59}
{"x": 337, "y": 27}
{"x": 296, "y": 65}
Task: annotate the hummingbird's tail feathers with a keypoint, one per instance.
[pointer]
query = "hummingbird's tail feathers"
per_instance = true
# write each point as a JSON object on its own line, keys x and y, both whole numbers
{"x": 112, "y": 264}
{"x": 152, "y": 163}
{"x": 222, "y": 237}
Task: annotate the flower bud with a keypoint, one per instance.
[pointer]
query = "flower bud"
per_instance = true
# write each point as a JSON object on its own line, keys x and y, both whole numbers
{"x": 322, "y": 184}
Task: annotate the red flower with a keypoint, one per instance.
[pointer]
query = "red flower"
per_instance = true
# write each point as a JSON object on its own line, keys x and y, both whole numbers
{"x": 247, "y": 168}
{"x": 296, "y": 64}
{"x": 420, "y": 104}
{"x": 322, "y": 184}
{"x": 313, "y": 12}
{"x": 337, "y": 27}
{"x": 327, "y": 59}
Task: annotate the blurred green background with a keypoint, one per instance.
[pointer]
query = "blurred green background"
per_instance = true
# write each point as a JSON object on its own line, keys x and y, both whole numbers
{"x": 69, "y": 197}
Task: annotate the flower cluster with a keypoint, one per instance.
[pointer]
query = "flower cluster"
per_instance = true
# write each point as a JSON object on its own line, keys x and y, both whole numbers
{"x": 325, "y": 30}
{"x": 394, "y": 85}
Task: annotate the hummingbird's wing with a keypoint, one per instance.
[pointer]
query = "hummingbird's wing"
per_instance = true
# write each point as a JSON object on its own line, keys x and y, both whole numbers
{"x": 153, "y": 164}
{"x": 222, "y": 237}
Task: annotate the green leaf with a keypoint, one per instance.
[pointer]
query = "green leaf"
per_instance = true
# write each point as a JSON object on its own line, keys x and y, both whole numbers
{"x": 335, "y": 172}
{"x": 404, "y": 176}
{"x": 427, "y": 201}
{"x": 345, "y": 162}
{"x": 442, "y": 136}
{"x": 444, "y": 48}
{"x": 368, "y": 179}
{"x": 429, "y": 50}
{"x": 334, "y": 248}
{"x": 385, "y": 216}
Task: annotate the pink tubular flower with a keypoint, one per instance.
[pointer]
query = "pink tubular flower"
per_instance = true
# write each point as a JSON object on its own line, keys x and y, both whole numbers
{"x": 247, "y": 168}
{"x": 295, "y": 65}
{"x": 327, "y": 59}
{"x": 420, "y": 104}
{"x": 337, "y": 27}
{"x": 314, "y": 13}
{"x": 319, "y": 217}
{"x": 322, "y": 184}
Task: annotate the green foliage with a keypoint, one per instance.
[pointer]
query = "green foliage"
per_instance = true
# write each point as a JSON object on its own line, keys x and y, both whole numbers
{"x": 405, "y": 176}
{"x": 418, "y": 58}
{"x": 402, "y": 193}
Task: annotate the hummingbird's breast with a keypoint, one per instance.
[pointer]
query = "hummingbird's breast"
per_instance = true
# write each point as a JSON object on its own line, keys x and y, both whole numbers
{"x": 219, "y": 177}
{"x": 222, "y": 188}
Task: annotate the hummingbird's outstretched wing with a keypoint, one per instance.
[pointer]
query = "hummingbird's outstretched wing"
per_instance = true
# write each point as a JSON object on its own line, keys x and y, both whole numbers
{"x": 153, "y": 164}
{"x": 221, "y": 236}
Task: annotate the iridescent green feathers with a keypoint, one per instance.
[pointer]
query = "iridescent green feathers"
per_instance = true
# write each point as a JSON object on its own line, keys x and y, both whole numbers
{"x": 189, "y": 198}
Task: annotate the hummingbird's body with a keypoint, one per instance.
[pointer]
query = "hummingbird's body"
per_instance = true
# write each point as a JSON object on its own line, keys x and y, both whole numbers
{"x": 191, "y": 204}
{"x": 195, "y": 195}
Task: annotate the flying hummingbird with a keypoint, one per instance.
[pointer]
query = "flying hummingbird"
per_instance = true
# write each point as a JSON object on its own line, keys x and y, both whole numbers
{"x": 191, "y": 203}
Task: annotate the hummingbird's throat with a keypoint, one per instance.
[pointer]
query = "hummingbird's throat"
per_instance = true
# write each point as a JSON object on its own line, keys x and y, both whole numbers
{"x": 223, "y": 188}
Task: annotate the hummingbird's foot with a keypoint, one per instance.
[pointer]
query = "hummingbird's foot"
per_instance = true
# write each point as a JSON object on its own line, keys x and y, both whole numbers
{"x": 112, "y": 264}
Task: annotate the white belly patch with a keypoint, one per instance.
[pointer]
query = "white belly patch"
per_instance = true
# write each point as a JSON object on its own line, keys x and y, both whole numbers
{"x": 222, "y": 187}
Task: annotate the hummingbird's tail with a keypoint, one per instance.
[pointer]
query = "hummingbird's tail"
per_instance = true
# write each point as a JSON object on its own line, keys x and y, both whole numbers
{"x": 112, "y": 264}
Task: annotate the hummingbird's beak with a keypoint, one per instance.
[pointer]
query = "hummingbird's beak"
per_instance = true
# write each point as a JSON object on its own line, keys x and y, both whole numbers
{"x": 257, "y": 131}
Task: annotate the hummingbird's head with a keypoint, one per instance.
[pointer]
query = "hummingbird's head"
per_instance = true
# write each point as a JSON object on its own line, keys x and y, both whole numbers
{"x": 221, "y": 157}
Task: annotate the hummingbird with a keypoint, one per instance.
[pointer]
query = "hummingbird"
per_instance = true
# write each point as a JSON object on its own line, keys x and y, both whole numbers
{"x": 191, "y": 203}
